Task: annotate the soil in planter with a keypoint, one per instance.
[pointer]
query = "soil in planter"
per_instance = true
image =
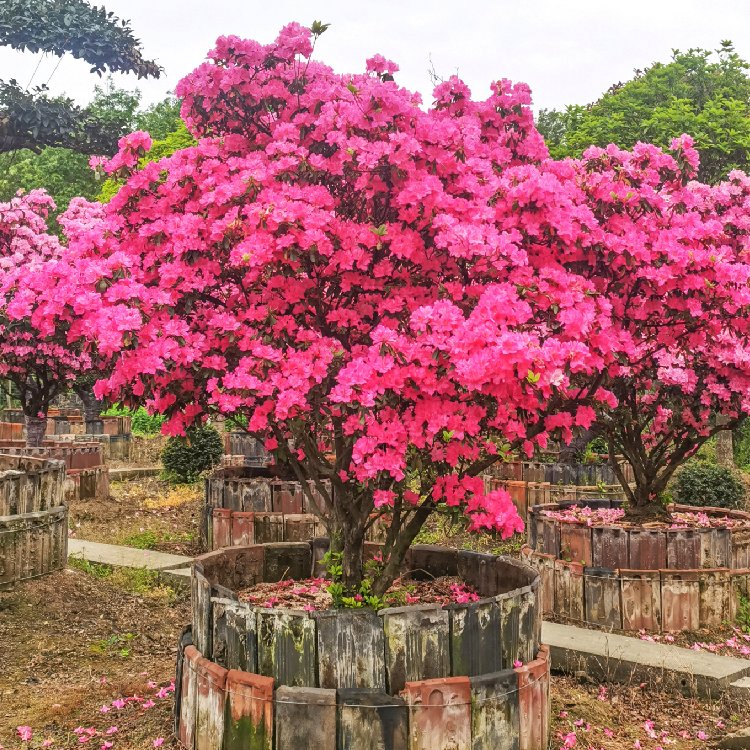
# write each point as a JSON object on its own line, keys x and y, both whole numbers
{"x": 312, "y": 594}
{"x": 617, "y": 517}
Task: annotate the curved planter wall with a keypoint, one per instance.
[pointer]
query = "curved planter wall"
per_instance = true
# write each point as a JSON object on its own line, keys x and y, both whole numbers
{"x": 411, "y": 678}
{"x": 33, "y": 518}
{"x": 88, "y": 477}
{"x": 247, "y": 505}
{"x": 640, "y": 578}
{"x": 241, "y": 449}
{"x": 531, "y": 483}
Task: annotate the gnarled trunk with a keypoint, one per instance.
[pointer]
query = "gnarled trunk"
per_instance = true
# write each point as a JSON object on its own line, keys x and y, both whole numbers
{"x": 92, "y": 409}
{"x": 36, "y": 427}
{"x": 724, "y": 445}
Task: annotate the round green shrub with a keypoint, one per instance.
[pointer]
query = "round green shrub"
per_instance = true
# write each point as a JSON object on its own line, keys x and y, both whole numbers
{"x": 186, "y": 458}
{"x": 702, "y": 483}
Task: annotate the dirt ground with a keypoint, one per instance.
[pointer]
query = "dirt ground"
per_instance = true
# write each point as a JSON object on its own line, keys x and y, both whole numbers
{"x": 77, "y": 641}
{"x": 624, "y": 717}
{"x": 90, "y": 650}
{"x": 146, "y": 513}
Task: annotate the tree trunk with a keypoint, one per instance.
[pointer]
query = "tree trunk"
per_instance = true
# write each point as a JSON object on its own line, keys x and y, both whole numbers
{"x": 92, "y": 409}
{"x": 352, "y": 560}
{"x": 35, "y": 430}
{"x": 570, "y": 453}
{"x": 724, "y": 445}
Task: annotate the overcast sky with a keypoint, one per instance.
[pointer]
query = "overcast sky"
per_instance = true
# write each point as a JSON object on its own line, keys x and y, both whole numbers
{"x": 568, "y": 52}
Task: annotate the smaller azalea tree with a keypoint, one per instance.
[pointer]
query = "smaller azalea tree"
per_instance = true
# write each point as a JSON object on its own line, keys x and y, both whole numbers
{"x": 671, "y": 256}
{"x": 327, "y": 265}
{"x": 48, "y": 304}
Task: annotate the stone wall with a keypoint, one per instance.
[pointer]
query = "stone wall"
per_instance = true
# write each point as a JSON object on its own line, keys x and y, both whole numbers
{"x": 33, "y": 518}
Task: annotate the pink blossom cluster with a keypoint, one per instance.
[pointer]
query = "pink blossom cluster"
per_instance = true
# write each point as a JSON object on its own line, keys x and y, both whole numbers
{"x": 586, "y": 515}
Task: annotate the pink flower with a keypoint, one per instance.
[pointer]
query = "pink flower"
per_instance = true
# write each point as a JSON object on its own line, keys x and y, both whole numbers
{"x": 570, "y": 740}
{"x": 111, "y": 730}
{"x": 25, "y": 733}
{"x": 159, "y": 741}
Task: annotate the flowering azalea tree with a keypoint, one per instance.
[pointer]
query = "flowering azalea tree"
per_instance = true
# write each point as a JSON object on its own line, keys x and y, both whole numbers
{"x": 50, "y": 305}
{"x": 671, "y": 258}
{"x": 328, "y": 262}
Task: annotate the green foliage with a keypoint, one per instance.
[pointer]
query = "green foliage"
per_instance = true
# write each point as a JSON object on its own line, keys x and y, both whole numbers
{"x": 142, "y": 422}
{"x": 133, "y": 580}
{"x": 342, "y": 598}
{"x": 178, "y": 139}
{"x": 742, "y": 618}
{"x": 30, "y": 119}
{"x": 742, "y": 444}
{"x": 186, "y": 458}
{"x": 701, "y": 483}
{"x": 64, "y": 172}
{"x": 160, "y": 119}
{"x": 114, "y": 644}
{"x": 77, "y": 28}
{"x": 703, "y": 94}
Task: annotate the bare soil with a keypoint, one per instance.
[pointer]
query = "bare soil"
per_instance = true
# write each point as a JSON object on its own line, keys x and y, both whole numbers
{"x": 72, "y": 644}
{"x": 147, "y": 513}
{"x": 312, "y": 594}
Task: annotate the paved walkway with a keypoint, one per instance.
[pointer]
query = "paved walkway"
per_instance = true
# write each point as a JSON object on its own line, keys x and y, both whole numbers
{"x": 130, "y": 557}
{"x": 608, "y": 656}
{"x": 118, "y": 475}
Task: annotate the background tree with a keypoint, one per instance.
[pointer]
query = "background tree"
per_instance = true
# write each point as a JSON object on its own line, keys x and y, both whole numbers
{"x": 670, "y": 256}
{"x": 32, "y": 119}
{"x": 64, "y": 173}
{"x": 34, "y": 357}
{"x": 703, "y": 94}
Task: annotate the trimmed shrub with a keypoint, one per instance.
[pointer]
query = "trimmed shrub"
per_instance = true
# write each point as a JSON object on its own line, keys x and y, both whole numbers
{"x": 701, "y": 483}
{"x": 186, "y": 458}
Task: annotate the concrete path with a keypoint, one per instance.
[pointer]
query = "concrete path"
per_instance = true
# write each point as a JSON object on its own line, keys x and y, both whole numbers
{"x": 118, "y": 475}
{"x": 130, "y": 557}
{"x": 607, "y": 656}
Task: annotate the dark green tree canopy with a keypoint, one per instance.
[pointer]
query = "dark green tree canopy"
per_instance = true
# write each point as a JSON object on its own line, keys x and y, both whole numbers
{"x": 77, "y": 28}
{"x": 32, "y": 119}
{"x": 701, "y": 93}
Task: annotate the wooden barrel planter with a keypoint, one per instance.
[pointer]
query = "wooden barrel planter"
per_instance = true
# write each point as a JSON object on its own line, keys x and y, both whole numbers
{"x": 526, "y": 495}
{"x": 467, "y": 676}
{"x": 241, "y": 449}
{"x": 253, "y": 505}
{"x": 33, "y": 518}
{"x": 87, "y": 476}
{"x": 640, "y": 578}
